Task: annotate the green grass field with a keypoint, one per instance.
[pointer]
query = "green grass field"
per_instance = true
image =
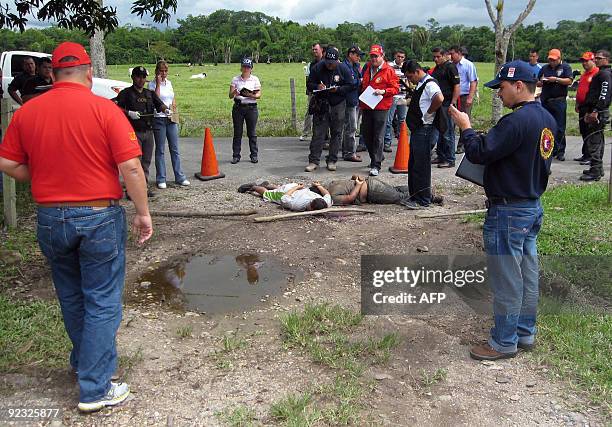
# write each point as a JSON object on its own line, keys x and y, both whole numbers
{"x": 205, "y": 102}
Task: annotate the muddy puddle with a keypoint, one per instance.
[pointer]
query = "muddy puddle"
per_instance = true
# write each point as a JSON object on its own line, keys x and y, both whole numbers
{"x": 213, "y": 284}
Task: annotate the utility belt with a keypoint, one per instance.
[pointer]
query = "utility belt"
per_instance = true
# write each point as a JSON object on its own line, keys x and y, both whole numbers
{"x": 237, "y": 103}
{"x": 493, "y": 201}
{"x": 102, "y": 203}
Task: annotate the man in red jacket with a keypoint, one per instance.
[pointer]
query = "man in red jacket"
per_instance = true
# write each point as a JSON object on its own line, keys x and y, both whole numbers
{"x": 382, "y": 78}
{"x": 588, "y": 63}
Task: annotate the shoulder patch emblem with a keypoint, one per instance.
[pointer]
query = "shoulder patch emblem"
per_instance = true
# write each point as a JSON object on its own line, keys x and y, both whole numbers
{"x": 378, "y": 79}
{"x": 547, "y": 143}
{"x": 132, "y": 136}
{"x": 336, "y": 78}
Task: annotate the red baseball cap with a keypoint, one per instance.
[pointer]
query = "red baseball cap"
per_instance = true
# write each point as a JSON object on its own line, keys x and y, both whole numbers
{"x": 66, "y": 49}
{"x": 587, "y": 56}
{"x": 376, "y": 49}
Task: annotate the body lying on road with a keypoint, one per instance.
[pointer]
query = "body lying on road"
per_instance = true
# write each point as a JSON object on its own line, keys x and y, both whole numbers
{"x": 292, "y": 196}
{"x": 358, "y": 190}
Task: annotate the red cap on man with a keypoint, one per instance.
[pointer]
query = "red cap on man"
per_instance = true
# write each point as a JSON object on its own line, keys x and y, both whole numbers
{"x": 587, "y": 56}
{"x": 376, "y": 49}
{"x": 67, "y": 49}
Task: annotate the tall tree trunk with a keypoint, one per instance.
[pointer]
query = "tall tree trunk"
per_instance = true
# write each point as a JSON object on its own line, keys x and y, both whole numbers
{"x": 98, "y": 54}
{"x": 501, "y": 50}
{"x": 502, "y": 39}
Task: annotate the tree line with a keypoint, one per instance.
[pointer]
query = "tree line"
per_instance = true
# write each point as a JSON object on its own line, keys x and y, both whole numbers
{"x": 226, "y": 36}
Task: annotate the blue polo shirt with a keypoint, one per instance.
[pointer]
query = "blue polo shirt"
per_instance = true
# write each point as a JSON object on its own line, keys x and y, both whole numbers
{"x": 352, "y": 97}
{"x": 554, "y": 90}
{"x": 535, "y": 68}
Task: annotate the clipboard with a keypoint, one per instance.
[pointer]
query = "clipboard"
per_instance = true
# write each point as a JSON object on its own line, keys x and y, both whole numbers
{"x": 471, "y": 171}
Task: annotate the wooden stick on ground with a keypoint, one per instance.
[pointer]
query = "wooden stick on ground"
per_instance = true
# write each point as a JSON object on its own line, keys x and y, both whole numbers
{"x": 203, "y": 214}
{"x": 307, "y": 213}
{"x": 446, "y": 214}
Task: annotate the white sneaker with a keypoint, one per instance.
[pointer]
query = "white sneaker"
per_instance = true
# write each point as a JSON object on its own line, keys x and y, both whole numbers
{"x": 161, "y": 185}
{"x": 117, "y": 394}
{"x": 310, "y": 167}
{"x": 185, "y": 183}
{"x": 373, "y": 172}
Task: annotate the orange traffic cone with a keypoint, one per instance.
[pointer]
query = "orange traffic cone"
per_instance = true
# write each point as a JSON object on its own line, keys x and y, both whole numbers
{"x": 209, "y": 169}
{"x": 403, "y": 152}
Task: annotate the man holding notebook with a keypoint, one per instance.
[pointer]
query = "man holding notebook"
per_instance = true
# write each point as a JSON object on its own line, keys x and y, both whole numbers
{"x": 516, "y": 154}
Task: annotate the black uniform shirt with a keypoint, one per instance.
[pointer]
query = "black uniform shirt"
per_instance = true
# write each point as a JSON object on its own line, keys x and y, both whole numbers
{"x": 517, "y": 152}
{"x": 552, "y": 89}
{"x": 340, "y": 77}
{"x": 600, "y": 91}
{"x": 18, "y": 82}
{"x": 447, "y": 77}
{"x": 145, "y": 102}
{"x": 35, "y": 86}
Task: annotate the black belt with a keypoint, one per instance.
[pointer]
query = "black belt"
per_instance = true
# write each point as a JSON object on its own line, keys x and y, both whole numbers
{"x": 505, "y": 201}
{"x": 557, "y": 98}
{"x": 238, "y": 104}
{"x": 101, "y": 203}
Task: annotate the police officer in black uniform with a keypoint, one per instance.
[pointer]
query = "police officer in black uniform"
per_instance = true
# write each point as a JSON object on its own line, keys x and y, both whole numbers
{"x": 516, "y": 153}
{"x": 140, "y": 104}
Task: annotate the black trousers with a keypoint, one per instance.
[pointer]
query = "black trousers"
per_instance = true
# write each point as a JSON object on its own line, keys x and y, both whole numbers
{"x": 241, "y": 114}
{"x": 419, "y": 164}
{"x": 146, "y": 139}
{"x": 373, "y": 125}
{"x": 332, "y": 121}
{"x": 595, "y": 142}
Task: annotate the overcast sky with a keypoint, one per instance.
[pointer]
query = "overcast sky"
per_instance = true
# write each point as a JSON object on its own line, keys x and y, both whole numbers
{"x": 382, "y": 14}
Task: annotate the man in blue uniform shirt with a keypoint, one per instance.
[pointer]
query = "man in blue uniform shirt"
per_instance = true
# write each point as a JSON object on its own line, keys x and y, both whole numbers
{"x": 555, "y": 78}
{"x": 330, "y": 81}
{"x": 517, "y": 156}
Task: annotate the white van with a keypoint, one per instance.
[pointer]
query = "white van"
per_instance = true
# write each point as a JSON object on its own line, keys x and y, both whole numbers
{"x": 11, "y": 64}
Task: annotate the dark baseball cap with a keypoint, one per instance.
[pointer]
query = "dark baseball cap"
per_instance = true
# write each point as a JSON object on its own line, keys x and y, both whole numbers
{"x": 513, "y": 71}
{"x": 355, "y": 49}
{"x": 331, "y": 55}
{"x": 139, "y": 71}
{"x": 246, "y": 62}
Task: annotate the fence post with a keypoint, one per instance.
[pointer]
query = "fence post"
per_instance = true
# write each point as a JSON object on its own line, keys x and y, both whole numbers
{"x": 293, "y": 106}
{"x": 8, "y": 183}
{"x": 610, "y": 181}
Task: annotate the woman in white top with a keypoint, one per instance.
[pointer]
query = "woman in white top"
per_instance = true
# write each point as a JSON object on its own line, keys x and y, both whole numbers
{"x": 245, "y": 90}
{"x": 164, "y": 127}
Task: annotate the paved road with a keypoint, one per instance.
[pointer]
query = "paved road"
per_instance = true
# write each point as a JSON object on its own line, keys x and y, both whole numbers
{"x": 287, "y": 157}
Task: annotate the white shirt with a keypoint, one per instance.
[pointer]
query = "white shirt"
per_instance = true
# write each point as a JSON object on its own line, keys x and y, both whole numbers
{"x": 300, "y": 200}
{"x": 398, "y": 72}
{"x": 431, "y": 89}
{"x": 251, "y": 83}
{"x": 166, "y": 94}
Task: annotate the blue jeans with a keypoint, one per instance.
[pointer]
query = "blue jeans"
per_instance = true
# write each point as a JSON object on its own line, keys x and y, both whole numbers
{"x": 85, "y": 248}
{"x": 163, "y": 128}
{"x": 558, "y": 109}
{"x": 510, "y": 233}
{"x": 401, "y": 110}
{"x": 446, "y": 142}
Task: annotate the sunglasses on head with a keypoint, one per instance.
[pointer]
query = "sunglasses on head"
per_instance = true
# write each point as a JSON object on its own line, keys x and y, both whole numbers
{"x": 599, "y": 57}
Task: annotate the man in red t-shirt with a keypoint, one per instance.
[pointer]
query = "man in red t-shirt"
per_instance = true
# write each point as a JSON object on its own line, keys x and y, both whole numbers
{"x": 72, "y": 155}
{"x": 588, "y": 63}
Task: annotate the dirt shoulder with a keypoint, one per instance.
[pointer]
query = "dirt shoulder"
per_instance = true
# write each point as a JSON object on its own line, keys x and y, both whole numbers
{"x": 189, "y": 380}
